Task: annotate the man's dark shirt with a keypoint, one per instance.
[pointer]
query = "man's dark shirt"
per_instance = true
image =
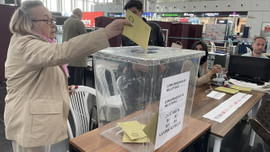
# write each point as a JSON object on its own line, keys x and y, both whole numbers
{"x": 134, "y": 87}
{"x": 156, "y": 36}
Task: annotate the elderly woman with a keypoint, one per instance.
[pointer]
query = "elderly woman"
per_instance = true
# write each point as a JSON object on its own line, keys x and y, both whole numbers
{"x": 37, "y": 101}
{"x": 204, "y": 75}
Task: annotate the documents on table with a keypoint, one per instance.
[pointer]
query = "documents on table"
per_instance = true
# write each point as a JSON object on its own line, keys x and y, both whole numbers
{"x": 254, "y": 86}
{"x": 225, "y": 109}
{"x": 139, "y": 32}
{"x": 216, "y": 95}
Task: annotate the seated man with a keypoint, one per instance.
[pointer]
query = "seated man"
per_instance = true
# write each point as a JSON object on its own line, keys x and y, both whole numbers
{"x": 258, "y": 47}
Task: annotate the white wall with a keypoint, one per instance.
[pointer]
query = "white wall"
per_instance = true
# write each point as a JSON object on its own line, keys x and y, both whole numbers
{"x": 259, "y": 11}
{"x": 109, "y": 8}
{"x": 255, "y": 20}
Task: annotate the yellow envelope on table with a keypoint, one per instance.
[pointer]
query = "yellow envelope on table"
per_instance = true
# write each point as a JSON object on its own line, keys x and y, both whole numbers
{"x": 126, "y": 139}
{"x": 242, "y": 89}
{"x": 139, "y": 32}
{"x": 151, "y": 128}
{"x": 227, "y": 90}
{"x": 133, "y": 129}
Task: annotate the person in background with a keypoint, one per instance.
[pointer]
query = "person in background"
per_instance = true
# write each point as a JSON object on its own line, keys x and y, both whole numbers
{"x": 238, "y": 35}
{"x": 204, "y": 75}
{"x": 73, "y": 27}
{"x": 37, "y": 100}
{"x": 134, "y": 74}
{"x": 156, "y": 36}
{"x": 258, "y": 47}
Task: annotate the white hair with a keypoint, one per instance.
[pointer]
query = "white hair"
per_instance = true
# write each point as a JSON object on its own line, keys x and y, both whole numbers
{"x": 22, "y": 19}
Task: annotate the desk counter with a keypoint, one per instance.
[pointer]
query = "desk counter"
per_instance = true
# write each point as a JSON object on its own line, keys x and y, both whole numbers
{"x": 92, "y": 141}
{"x": 203, "y": 104}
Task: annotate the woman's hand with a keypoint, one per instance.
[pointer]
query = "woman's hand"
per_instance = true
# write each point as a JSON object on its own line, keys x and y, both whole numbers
{"x": 215, "y": 69}
{"x": 116, "y": 27}
{"x": 72, "y": 89}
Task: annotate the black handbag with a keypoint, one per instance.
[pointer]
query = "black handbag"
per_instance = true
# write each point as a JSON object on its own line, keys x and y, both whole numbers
{"x": 261, "y": 122}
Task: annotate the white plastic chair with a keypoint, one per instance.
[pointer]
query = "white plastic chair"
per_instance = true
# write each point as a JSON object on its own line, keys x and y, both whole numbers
{"x": 119, "y": 83}
{"x": 79, "y": 110}
{"x": 108, "y": 100}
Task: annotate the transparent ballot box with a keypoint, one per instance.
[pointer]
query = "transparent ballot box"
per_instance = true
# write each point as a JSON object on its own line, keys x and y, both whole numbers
{"x": 144, "y": 97}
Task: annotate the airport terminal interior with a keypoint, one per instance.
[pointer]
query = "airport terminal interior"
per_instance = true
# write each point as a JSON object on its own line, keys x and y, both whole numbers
{"x": 227, "y": 27}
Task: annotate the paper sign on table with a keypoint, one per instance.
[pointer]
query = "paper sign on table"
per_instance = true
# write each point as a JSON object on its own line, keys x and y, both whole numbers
{"x": 225, "y": 109}
{"x": 172, "y": 107}
{"x": 139, "y": 32}
{"x": 216, "y": 95}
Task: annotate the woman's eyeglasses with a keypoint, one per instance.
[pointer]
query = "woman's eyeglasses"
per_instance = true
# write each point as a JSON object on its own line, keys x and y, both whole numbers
{"x": 49, "y": 21}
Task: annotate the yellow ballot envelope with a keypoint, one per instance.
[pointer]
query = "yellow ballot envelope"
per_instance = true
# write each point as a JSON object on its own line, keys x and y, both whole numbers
{"x": 139, "y": 32}
{"x": 151, "y": 128}
{"x": 126, "y": 138}
{"x": 226, "y": 90}
{"x": 242, "y": 89}
{"x": 133, "y": 129}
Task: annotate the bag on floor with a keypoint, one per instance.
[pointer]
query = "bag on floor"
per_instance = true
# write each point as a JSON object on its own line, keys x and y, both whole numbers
{"x": 261, "y": 122}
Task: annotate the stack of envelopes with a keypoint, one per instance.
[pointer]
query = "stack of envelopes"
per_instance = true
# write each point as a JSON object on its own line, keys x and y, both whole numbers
{"x": 226, "y": 90}
{"x": 242, "y": 89}
{"x": 133, "y": 132}
{"x": 234, "y": 89}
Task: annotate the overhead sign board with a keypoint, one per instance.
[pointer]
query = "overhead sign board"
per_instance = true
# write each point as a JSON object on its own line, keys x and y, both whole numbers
{"x": 89, "y": 18}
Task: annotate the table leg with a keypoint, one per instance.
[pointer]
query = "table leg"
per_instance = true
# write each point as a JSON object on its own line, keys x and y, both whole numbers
{"x": 217, "y": 144}
{"x": 253, "y": 134}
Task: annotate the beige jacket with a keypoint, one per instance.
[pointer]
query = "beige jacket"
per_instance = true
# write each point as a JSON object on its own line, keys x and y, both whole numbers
{"x": 204, "y": 78}
{"x": 37, "y": 101}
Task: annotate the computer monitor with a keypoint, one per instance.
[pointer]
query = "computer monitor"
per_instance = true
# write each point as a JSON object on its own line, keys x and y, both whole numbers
{"x": 250, "y": 69}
